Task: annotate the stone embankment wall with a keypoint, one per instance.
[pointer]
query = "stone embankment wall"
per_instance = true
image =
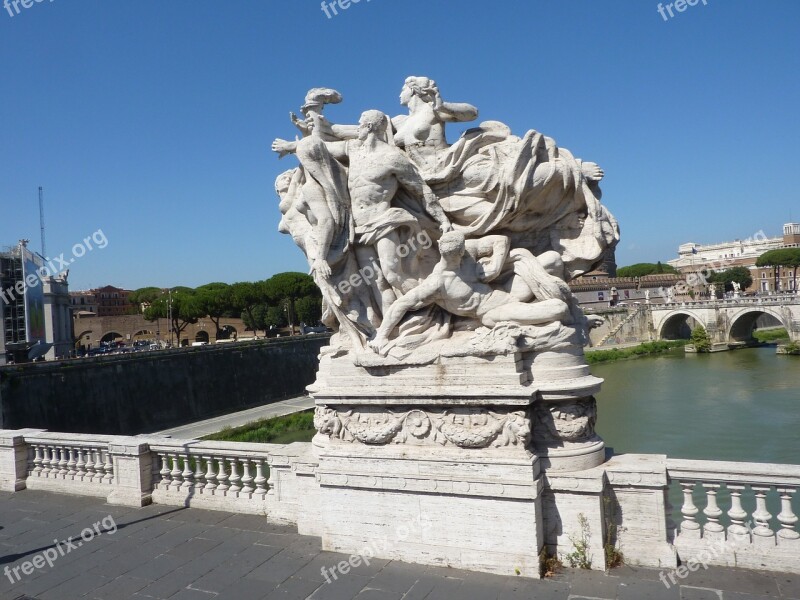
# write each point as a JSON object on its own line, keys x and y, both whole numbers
{"x": 142, "y": 393}
{"x": 634, "y": 329}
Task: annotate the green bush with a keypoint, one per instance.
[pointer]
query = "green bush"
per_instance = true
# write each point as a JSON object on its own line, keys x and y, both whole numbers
{"x": 771, "y": 335}
{"x": 700, "y": 340}
{"x": 297, "y": 427}
{"x": 645, "y": 349}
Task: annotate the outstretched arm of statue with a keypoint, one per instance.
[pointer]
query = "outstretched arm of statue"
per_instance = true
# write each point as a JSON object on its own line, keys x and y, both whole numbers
{"x": 301, "y": 125}
{"x": 490, "y": 252}
{"x": 345, "y": 132}
{"x": 410, "y": 179}
{"x": 282, "y": 147}
{"x": 455, "y": 112}
{"x": 420, "y": 297}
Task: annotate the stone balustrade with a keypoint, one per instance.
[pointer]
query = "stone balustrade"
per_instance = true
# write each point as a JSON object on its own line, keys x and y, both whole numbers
{"x": 212, "y": 474}
{"x": 741, "y": 301}
{"x": 75, "y": 463}
{"x": 755, "y": 528}
{"x": 135, "y": 471}
{"x": 733, "y": 514}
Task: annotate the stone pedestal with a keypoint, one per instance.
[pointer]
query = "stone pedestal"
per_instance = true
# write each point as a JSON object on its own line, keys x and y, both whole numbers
{"x": 436, "y": 463}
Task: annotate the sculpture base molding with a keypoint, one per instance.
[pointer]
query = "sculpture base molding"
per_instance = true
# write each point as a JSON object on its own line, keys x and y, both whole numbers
{"x": 451, "y": 507}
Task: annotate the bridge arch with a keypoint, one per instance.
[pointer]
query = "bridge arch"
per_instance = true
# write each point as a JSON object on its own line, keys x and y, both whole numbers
{"x": 743, "y": 322}
{"x": 679, "y": 325}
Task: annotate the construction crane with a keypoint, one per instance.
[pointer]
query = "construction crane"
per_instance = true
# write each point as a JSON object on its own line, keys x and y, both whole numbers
{"x": 41, "y": 220}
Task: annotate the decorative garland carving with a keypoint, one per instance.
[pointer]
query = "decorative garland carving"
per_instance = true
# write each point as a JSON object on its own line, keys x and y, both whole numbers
{"x": 462, "y": 427}
{"x": 565, "y": 422}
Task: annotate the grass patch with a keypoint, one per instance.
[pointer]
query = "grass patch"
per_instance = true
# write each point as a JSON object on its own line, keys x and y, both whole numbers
{"x": 646, "y": 349}
{"x": 297, "y": 427}
{"x": 771, "y": 335}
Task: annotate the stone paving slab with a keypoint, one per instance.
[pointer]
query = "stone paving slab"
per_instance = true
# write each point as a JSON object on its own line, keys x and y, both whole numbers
{"x": 169, "y": 553}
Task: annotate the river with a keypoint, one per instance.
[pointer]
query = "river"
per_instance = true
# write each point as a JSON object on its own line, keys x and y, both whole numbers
{"x": 740, "y": 406}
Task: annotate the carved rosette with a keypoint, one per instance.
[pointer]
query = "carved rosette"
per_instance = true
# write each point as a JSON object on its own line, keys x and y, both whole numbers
{"x": 571, "y": 422}
{"x": 462, "y": 427}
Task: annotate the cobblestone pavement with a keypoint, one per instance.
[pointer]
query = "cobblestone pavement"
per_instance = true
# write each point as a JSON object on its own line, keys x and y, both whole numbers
{"x": 160, "y": 552}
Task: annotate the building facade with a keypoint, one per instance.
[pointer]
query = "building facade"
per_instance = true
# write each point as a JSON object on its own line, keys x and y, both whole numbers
{"x": 108, "y": 301}
{"x": 701, "y": 259}
{"x": 34, "y": 308}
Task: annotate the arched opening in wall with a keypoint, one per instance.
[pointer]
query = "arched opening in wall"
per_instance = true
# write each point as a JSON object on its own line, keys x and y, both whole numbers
{"x": 143, "y": 335}
{"x": 201, "y": 337}
{"x": 678, "y": 327}
{"x": 84, "y": 340}
{"x": 227, "y": 332}
{"x": 111, "y": 337}
{"x": 743, "y": 327}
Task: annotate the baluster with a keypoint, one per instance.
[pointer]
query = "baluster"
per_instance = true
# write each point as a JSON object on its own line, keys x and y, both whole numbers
{"x": 787, "y": 518}
{"x": 108, "y": 467}
{"x": 260, "y": 480}
{"x": 37, "y": 460}
{"x": 98, "y": 466}
{"x": 89, "y": 464}
{"x": 62, "y": 463}
{"x": 46, "y": 462}
{"x": 176, "y": 472}
{"x": 737, "y": 529}
{"x": 164, "y": 472}
{"x": 222, "y": 476}
{"x": 211, "y": 477}
{"x": 247, "y": 478}
{"x": 188, "y": 474}
{"x": 199, "y": 484}
{"x": 689, "y": 525}
{"x": 71, "y": 464}
{"x": 235, "y": 478}
{"x": 80, "y": 466}
{"x": 712, "y": 511}
{"x": 762, "y": 534}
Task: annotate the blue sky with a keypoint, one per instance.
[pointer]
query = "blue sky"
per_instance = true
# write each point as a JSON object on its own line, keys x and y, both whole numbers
{"x": 152, "y": 120}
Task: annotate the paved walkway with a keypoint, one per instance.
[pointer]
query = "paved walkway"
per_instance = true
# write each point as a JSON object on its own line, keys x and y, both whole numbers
{"x": 276, "y": 409}
{"x": 160, "y": 552}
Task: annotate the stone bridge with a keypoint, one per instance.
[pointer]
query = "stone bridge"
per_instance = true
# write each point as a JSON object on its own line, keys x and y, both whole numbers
{"x": 729, "y": 321}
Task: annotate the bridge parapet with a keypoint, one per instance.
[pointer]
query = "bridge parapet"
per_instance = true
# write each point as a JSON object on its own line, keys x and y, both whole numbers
{"x": 749, "y": 541}
{"x": 283, "y": 483}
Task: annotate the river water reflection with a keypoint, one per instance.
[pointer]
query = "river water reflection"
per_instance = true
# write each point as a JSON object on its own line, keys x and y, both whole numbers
{"x": 740, "y": 406}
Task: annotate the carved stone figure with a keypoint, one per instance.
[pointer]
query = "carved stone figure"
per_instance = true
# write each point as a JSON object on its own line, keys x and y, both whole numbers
{"x": 526, "y": 217}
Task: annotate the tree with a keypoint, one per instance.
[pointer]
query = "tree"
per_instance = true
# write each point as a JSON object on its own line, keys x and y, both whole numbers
{"x": 642, "y": 269}
{"x": 181, "y": 304}
{"x": 284, "y": 289}
{"x": 216, "y": 300}
{"x": 740, "y": 275}
{"x": 782, "y": 257}
{"x": 244, "y": 297}
{"x": 145, "y": 295}
{"x": 309, "y": 309}
{"x": 700, "y": 339}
